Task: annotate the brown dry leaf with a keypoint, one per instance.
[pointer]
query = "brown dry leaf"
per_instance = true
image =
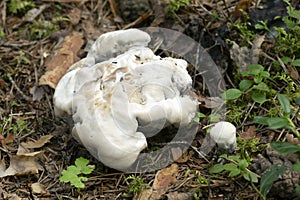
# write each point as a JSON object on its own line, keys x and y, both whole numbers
{"x": 243, "y": 56}
{"x": 38, "y": 188}
{"x": 179, "y": 196}
{"x": 37, "y": 144}
{"x": 292, "y": 139}
{"x": 58, "y": 64}
{"x": 240, "y": 55}
{"x": 74, "y": 16}
{"x": 256, "y": 49}
{"x": 250, "y": 133}
{"x": 184, "y": 157}
{"x": 176, "y": 153}
{"x": 293, "y": 72}
{"x": 210, "y": 102}
{"x": 143, "y": 195}
{"x": 163, "y": 180}
{"x": 9, "y": 139}
{"x": 22, "y": 165}
{"x": 243, "y": 5}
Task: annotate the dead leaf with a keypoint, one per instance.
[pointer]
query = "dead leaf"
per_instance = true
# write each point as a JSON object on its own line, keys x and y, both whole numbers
{"x": 250, "y": 133}
{"x": 242, "y": 6}
{"x": 210, "y": 102}
{"x": 176, "y": 153}
{"x": 22, "y": 150}
{"x": 74, "y": 16}
{"x": 292, "y": 139}
{"x": 143, "y": 195}
{"x": 37, "y": 144}
{"x": 240, "y": 55}
{"x": 58, "y": 64}
{"x": 163, "y": 180}
{"x": 37, "y": 92}
{"x": 184, "y": 157}
{"x": 256, "y": 49}
{"x": 293, "y": 72}
{"x": 22, "y": 165}
{"x": 243, "y": 56}
{"x": 38, "y": 188}
{"x": 179, "y": 196}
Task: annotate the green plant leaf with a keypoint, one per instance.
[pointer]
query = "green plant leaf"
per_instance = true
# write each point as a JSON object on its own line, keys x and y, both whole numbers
{"x": 243, "y": 164}
{"x": 296, "y": 63}
{"x": 82, "y": 165}
{"x": 234, "y": 172}
{"x": 250, "y": 176}
{"x": 278, "y": 123}
{"x": 230, "y": 167}
{"x": 285, "y": 147}
{"x": 67, "y": 176}
{"x": 236, "y": 158}
{"x": 265, "y": 74}
{"x": 296, "y": 167}
{"x": 232, "y": 93}
{"x": 298, "y": 191}
{"x": 217, "y": 168}
{"x": 245, "y": 85}
{"x": 255, "y": 69}
{"x": 74, "y": 170}
{"x": 262, "y": 87}
{"x": 286, "y": 60}
{"x": 71, "y": 174}
{"x": 214, "y": 118}
{"x": 258, "y": 96}
{"x": 261, "y": 120}
{"x": 269, "y": 176}
{"x": 285, "y": 103}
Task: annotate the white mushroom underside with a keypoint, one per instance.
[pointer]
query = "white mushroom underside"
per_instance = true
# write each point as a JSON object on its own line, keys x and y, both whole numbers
{"x": 109, "y": 100}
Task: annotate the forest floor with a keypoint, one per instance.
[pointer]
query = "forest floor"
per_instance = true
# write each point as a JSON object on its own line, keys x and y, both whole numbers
{"x": 35, "y": 147}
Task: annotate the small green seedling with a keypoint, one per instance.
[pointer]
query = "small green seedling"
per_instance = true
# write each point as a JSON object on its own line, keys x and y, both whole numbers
{"x": 17, "y": 6}
{"x": 175, "y": 5}
{"x": 136, "y": 184}
{"x": 254, "y": 85}
{"x": 283, "y": 121}
{"x": 72, "y": 173}
{"x": 235, "y": 167}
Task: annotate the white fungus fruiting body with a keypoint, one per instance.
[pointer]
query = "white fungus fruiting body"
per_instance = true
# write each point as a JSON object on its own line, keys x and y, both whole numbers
{"x": 118, "y": 90}
{"x": 224, "y": 134}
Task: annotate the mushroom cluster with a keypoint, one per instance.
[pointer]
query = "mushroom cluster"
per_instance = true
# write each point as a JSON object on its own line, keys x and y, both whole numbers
{"x": 122, "y": 93}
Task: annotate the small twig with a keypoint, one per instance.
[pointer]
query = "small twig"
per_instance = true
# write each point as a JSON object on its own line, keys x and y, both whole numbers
{"x": 27, "y": 98}
{"x": 200, "y": 154}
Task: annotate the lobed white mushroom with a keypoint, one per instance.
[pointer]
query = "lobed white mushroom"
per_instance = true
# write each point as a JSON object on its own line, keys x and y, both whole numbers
{"x": 118, "y": 90}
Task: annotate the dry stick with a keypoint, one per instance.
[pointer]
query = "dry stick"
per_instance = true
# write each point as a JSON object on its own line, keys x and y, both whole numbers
{"x": 27, "y": 98}
{"x": 248, "y": 113}
{"x": 200, "y": 154}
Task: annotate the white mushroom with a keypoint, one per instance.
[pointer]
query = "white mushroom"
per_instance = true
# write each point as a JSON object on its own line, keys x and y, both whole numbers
{"x": 116, "y": 101}
{"x": 224, "y": 134}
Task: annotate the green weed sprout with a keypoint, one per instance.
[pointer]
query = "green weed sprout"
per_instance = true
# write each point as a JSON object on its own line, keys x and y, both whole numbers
{"x": 136, "y": 185}
{"x": 72, "y": 173}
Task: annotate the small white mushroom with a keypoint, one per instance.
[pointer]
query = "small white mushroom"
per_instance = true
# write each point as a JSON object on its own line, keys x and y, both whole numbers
{"x": 224, "y": 134}
{"x": 120, "y": 92}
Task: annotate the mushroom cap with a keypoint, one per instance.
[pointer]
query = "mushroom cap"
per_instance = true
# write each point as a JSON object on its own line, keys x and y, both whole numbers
{"x": 224, "y": 134}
